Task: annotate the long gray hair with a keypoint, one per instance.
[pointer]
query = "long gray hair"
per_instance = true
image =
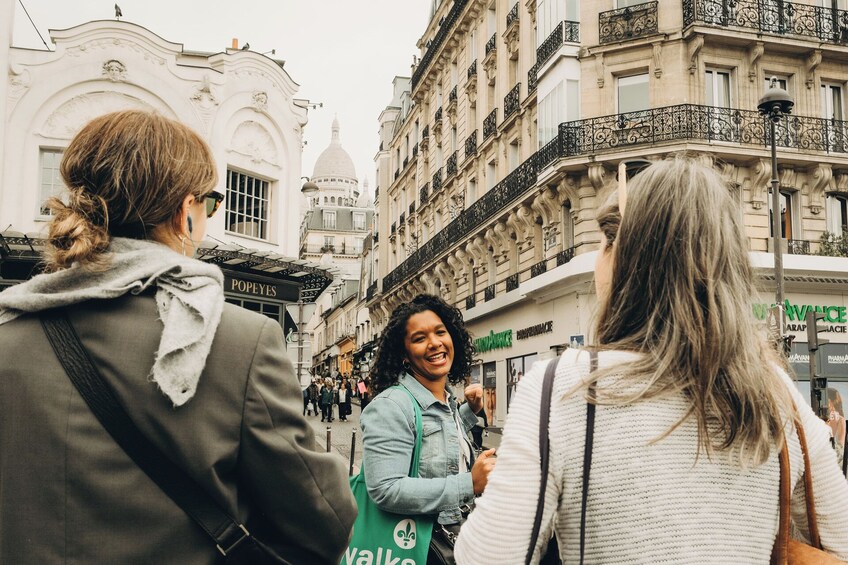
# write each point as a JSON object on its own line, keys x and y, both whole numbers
{"x": 680, "y": 294}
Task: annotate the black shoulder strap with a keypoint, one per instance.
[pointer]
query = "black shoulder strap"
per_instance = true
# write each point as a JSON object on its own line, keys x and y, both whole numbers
{"x": 544, "y": 453}
{"x": 226, "y": 533}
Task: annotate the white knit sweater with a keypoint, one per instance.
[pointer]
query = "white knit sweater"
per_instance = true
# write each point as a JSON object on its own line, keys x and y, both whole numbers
{"x": 648, "y": 502}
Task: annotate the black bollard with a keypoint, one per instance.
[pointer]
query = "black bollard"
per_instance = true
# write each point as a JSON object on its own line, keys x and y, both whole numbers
{"x": 329, "y": 445}
{"x": 352, "y": 451}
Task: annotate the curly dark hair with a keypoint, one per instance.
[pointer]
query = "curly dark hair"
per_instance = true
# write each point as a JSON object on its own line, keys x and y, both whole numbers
{"x": 391, "y": 350}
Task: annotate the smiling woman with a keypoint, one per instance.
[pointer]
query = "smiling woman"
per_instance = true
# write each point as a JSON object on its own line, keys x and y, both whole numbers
{"x": 424, "y": 347}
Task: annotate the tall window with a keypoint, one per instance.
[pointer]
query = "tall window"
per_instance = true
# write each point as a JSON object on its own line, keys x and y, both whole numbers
{"x": 513, "y": 155}
{"x": 329, "y": 243}
{"x": 359, "y": 221}
{"x": 717, "y": 84}
{"x": 329, "y": 219}
{"x": 491, "y": 174}
{"x": 632, "y": 93}
{"x": 551, "y": 12}
{"x": 787, "y": 215}
{"x": 837, "y": 213}
{"x": 247, "y": 205}
{"x": 831, "y": 100}
{"x": 562, "y": 104}
{"x": 51, "y": 181}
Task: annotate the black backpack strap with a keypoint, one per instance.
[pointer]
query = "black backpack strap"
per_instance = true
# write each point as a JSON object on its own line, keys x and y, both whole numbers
{"x": 544, "y": 453}
{"x": 227, "y": 534}
{"x": 587, "y": 454}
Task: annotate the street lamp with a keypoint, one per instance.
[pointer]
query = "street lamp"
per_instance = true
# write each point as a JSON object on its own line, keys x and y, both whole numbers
{"x": 309, "y": 188}
{"x": 774, "y": 104}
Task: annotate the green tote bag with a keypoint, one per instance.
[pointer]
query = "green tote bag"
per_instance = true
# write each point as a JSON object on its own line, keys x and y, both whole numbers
{"x": 382, "y": 538}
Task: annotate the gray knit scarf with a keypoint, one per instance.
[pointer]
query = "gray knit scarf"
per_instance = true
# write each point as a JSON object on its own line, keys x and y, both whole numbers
{"x": 189, "y": 295}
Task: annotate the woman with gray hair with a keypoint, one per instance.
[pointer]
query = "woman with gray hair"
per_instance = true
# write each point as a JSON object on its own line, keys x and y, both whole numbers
{"x": 678, "y": 432}
{"x": 205, "y": 385}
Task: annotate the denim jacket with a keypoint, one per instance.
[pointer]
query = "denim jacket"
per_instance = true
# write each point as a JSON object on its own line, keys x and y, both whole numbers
{"x": 388, "y": 438}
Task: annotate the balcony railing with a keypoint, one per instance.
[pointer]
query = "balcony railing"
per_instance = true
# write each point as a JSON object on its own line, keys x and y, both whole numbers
{"x": 452, "y": 95}
{"x": 778, "y": 17}
{"x": 437, "y": 180}
{"x": 444, "y": 32}
{"x": 490, "y": 124}
{"x": 397, "y": 173}
{"x": 394, "y": 228}
{"x": 695, "y": 122}
{"x": 470, "y": 302}
{"x": 415, "y": 151}
{"x": 472, "y": 70}
{"x": 372, "y": 290}
{"x": 471, "y": 144}
{"x": 539, "y": 268}
{"x": 405, "y": 162}
{"x": 450, "y": 168}
{"x": 492, "y": 44}
{"x": 512, "y": 101}
{"x": 424, "y": 193}
{"x": 489, "y": 293}
{"x": 402, "y": 219}
{"x": 565, "y": 256}
{"x": 532, "y": 79}
{"x": 564, "y": 32}
{"x": 512, "y": 282}
{"x": 797, "y": 247}
{"x": 512, "y": 15}
{"x": 438, "y": 117}
{"x": 628, "y": 23}
{"x": 411, "y": 209}
{"x": 425, "y": 133}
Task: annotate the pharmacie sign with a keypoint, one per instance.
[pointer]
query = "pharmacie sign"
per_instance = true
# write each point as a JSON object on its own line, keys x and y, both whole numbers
{"x": 538, "y": 329}
{"x": 834, "y": 321}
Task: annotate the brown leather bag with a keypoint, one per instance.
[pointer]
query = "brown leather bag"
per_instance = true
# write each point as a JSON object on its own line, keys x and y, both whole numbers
{"x": 789, "y": 551}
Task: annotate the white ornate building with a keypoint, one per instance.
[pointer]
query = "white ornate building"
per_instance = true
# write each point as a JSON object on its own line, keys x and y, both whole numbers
{"x": 241, "y": 102}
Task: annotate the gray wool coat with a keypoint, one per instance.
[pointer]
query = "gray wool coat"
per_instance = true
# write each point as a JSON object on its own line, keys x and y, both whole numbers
{"x": 70, "y": 495}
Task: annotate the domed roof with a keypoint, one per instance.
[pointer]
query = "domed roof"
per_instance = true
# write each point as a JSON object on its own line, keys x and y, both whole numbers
{"x": 334, "y": 161}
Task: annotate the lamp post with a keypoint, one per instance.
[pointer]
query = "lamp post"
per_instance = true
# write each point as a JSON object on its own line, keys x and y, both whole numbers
{"x": 309, "y": 188}
{"x": 774, "y": 104}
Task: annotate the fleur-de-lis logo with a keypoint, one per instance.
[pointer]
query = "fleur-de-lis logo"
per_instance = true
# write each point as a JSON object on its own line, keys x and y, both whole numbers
{"x": 405, "y": 534}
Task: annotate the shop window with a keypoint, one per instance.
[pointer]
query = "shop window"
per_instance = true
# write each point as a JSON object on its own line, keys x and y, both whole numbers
{"x": 271, "y": 310}
{"x": 248, "y": 203}
{"x": 516, "y": 368}
{"x": 51, "y": 180}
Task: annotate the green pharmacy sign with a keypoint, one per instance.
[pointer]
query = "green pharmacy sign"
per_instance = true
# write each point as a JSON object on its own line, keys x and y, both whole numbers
{"x": 500, "y": 340}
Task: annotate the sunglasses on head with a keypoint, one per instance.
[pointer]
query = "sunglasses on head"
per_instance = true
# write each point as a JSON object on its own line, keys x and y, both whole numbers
{"x": 213, "y": 202}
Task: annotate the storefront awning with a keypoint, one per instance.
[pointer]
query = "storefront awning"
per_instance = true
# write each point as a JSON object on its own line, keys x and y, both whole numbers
{"x": 20, "y": 259}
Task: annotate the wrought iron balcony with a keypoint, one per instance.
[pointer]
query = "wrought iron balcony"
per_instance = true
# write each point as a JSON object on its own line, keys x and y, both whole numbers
{"x": 450, "y": 168}
{"x": 424, "y": 193}
{"x": 415, "y": 151}
{"x": 628, "y": 23}
{"x": 425, "y": 133}
{"x": 402, "y": 219}
{"x": 438, "y": 117}
{"x": 397, "y": 173}
{"x": 532, "y": 78}
{"x": 512, "y": 282}
{"x": 372, "y": 290}
{"x": 394, "y": 228}
{"x": 797, "y": 247}
{"x": 376, "y": 193}
{"x": 778, "y": 17}
{"x": 376, "y": 237}
{"x": 565, "y": 256}
{"x": 470, "y": 302}
{"x": 564, "y": 32}
{"x": 437, "y": 180}
{"x": 405, "y": 162}
{"x": 695, "y": 122}
{"x": 539, "y": 268}
{"x": 492, "y": 44}
{"x": 489, "y": 292}
{"x": 512, "y": 101}
{"x": 411, "y": 209}
{"x": 490, "y": 124}
{"x": 435, "y": 45}
{"x": 471, "y": 144}
{"x": 512, "y": 15}
{"x": 452, "y": 95}
{"x": 472, "y": 70}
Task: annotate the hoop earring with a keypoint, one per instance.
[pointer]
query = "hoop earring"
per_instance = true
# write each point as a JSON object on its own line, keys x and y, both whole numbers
{"x": 406, "y": 366}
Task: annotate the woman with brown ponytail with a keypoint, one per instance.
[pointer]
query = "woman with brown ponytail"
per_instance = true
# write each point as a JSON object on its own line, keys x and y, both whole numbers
{"x": 207, "y": 383}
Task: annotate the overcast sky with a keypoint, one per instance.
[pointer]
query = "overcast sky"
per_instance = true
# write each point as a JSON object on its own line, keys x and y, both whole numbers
{"x": 343, "y": 53}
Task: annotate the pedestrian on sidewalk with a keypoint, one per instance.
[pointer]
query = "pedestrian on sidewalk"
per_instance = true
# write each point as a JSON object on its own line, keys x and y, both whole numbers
{"x": 207, "y": 384}
{"x": 345, "y": 392}
{"x": 327, "y": 394}
{"x": 685, "y": 416}
{"x": 313, "y": 397}
{"x": 424, "y": 348}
